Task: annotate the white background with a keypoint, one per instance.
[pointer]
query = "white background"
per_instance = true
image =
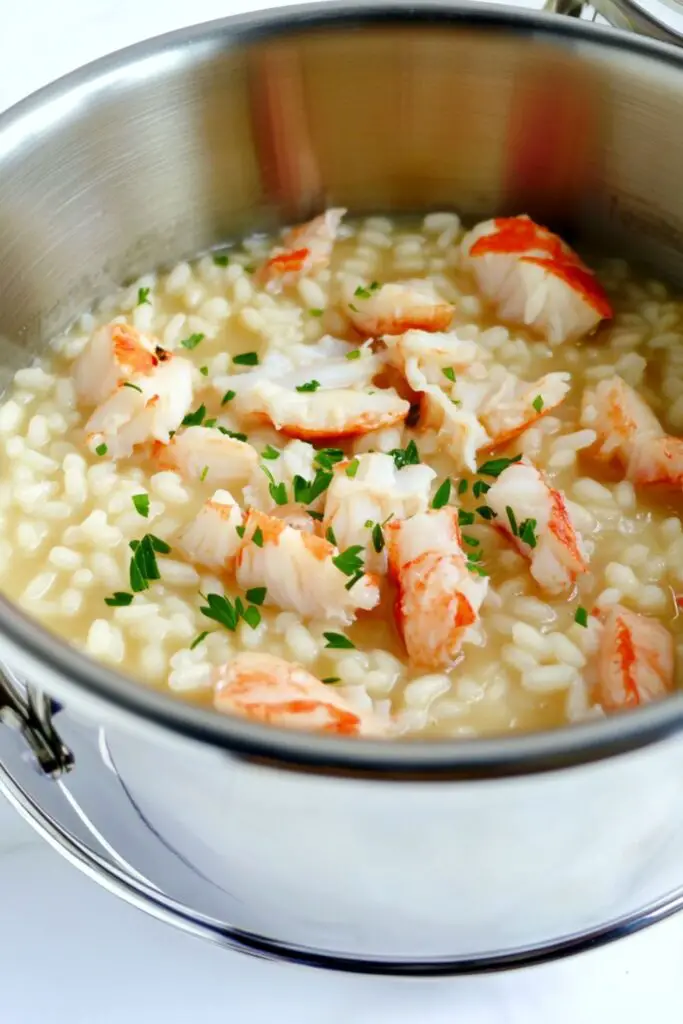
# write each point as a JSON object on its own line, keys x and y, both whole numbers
{"x": 71, "y": 952}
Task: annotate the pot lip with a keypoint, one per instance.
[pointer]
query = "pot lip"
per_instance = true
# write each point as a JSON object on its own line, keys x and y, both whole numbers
{"x": 419, "y": 760}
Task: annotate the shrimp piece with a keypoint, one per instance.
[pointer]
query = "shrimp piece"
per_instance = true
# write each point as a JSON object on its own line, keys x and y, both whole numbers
{"x": 534, "y": 278}
{"x": 438, "y": 601}
{"x": 305, "y": 250}
{"x": 536, "y": 518}
{"x": 147, "y": 408}
{"x": 274, "y": 691}
{"x": 206, "y": 454}
{"x": 115, "y": 353}
{"x": 211, "y": 539}
{"x": 378, "y": 492}
{"x": 636, "y": 660}
{"x": 299, "y": 573}
{"x": 516, "y": 405}
{"x": 630, "y": 433}
{"x": 395, "y": 308}
{"x": 333, "y": 414}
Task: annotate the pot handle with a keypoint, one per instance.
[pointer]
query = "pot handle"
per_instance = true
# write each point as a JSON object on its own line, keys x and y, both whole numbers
{"x": 30, "y": 713}
{"x": 623, "y": 14}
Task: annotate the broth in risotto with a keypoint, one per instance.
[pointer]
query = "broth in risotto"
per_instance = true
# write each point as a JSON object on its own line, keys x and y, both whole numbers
{"x": 369, "y": 478}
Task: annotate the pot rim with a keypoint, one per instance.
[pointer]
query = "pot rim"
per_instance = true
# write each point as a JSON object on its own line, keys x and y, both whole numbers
{"x": 419, "y": 760}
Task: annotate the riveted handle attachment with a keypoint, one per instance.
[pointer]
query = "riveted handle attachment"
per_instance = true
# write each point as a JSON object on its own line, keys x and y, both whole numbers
{"x": 30, "y": 713}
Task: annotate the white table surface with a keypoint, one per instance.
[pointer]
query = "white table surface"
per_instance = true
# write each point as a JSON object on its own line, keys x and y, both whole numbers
{"x": 71, "y": 952}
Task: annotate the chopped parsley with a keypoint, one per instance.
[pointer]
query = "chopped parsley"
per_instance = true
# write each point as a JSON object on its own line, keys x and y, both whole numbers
{"x": 377, "y": 538}
{"x": 331, "y": 679}
{"x": 475, "y": 568}
{"x": 192, "y": 341}
{"x": 257, "y": 537}
{"x": 204, "y": 370}
{"x": 101, "y": 449}
{"x": 361, "y": 292}
{"x": 486, "y": 513}
{"x": 353, "y": 354}
{"x": 329, "y": 536}
{"x": 350, "y": 561}
{"x": 354, "y": 579}
{"x": 473, "y": 542}
{"x": 221, "y": 259}
{"x": 143, "y": 564}
{"x": 408, "y": 456}
{"x": 252, "y": 616}
{"x": 134, "y": 387}
{"x": 465, "y": 518}
{"x": 352, "y": 468}
{"x": 338, "y": 641}
{"x": 198, "y": 639}
{"x": 318, "y": 516}
{"x": 228, "y": 397}
{"x": 119, "y": 599}
{"x": 256, "y": 595}
{"x": 277, "y": 491}
{"x": 494, "y": 467}
{"x": 204, "y": 473}
{"x": 449, "y": 373}
{"x": 316, "y": 312}
{"x": 480, "y": 487}
{"x": 246, "y": 359}
{"x": 527, "y": 532}
{"x": 311, "y": 385}
{"x": 221, "y": 610}
{"x": 231, "y": 433}
{"x": 239, "y": 530}
{"x": 443, "y": 494}
{"x": 581, "y": 616}
{"x": 143, "y": 297}
{"x": 462, "y": 486}
{"x": 141, "y": 502}
{"x": 328, "y": 457}
{"x": 512, "y": 520}
{"x": 306, "y": 491}
{"x": 538, "y": 403}
{"x": 196, "y": 418}
{"x": 270, "y": 453}
{"x": 353, "y": 308}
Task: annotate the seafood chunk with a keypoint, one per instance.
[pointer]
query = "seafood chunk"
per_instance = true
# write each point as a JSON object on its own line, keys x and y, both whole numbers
{"x": 278, "y": 692}
{"x": 206, "y": 454}
{"x": 534, "y": 278}
{"x": 439, "y": 598}
{"x": 299, "y": 573}
{"x": 630, "y": 433}
{"x": 115, "y": 353}
{"x": 146, "y": 408}
{"x": 395, "y": 308}
{"x": 324, "y": 414}
{"x": 636, "y": 661}
{"x": 306, "y": 249}
{"x": 211, "y": 538}
{"x": 536, "y": 518}
{"x": 378, "y": 492}
{"x": 516, "y": 404}
{"x": 296, "y": 459}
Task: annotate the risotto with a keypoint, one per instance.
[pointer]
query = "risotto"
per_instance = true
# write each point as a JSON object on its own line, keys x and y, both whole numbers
{"x": 375, "y": 478}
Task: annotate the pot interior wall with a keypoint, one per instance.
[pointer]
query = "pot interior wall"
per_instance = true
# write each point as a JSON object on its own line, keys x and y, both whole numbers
{"x": 181, "y": 146}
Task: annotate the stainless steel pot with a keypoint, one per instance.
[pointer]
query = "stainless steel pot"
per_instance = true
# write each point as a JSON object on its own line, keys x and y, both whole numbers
{"x": 400, "y": 857}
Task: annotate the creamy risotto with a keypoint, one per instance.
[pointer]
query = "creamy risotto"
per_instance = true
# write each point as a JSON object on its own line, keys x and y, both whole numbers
{"x": 372, "y": 478}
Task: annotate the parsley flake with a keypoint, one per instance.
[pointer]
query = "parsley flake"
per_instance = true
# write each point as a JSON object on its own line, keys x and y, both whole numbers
{"x": 246, "y": 359}
{"x": 204, "y": 370}
{"x": 141, "y": 502}
{"x": 462, "y": 486}
{"x": 473, "y": 542}
{"x": 143, "y": 297}
{"x": 101, "y": 449}
{"x": 133, "y": 387}
{"x": 196, "y": 418}
{"x": 257, "y": 537}
{"x": 119, "y": 599}
{"x": 443, "y": 494}
{"x": 256, "y": 595}
{"x": 198, "y": 639}
{"x": 581, "y": 616}
{"x": 338, "y": 641}
{"x": 527, "y": 532}
{"x": 353, "y": 354}
{"x": 233, "y": 434}
{"x": 192, "y": 341}
{"x": 221, "y": 610}
{"x": 486, "y": 513}
{"x": 465, "y": 518}
{"x": 538, "y": 403}
{"x": 494, "y": 467}
{"x": 204, "y": 473}
{"x": 329, "y": 536}
{"x": 239, "y": 530}
{"x": 328, "y": 457}
{"x": 221, "y": 259}
{"x": 512, "y": 520}
{"x": 449, "y": 373}
{"x": 316, "y": 312}
{"x": 352, "y": 468}
{"x": 480, "y": 487}
{"x": 377, "y": 538}
{"x": 408, "y": 456}
{"x": 270, "y": 453}
{"x": 228, "y": 397}
{"x": 349, "y": 561}
{"x": 311, "y": 385}
{"x": 318, "y": 516}
{"x": 361, "y": 292}
{"x": 252, "y": 616}
{"x": 331, "y": 679}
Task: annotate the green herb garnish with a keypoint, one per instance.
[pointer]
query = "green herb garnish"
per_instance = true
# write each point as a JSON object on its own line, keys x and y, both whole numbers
{"x": 361, "y": 292}
{"x": 581, "y": 616}
{"x": 352, "y": 468}
{"x": 256, "y": 595}
{"x": 316, "y": 312}
{"x": 350, "y": 561}
{"x": 494, "y": 467}
{"x": 221, "y": 259}
{"x": 465, "y": 518}
{"x": 198, "y": 639}
{"x": 538, "y": 403}
{"x": 192, "y": 341}
{"x": 442, "y": 495}
{"x": 257, "y": 537}
{"x": 527, "y": 532}
{"x": 311, "y": 385}
{"x": 119, "y": 599}
{"x": 143, "y": 297}
{"x": 133, "y": 387}
{"x": 228, "y": 397}
{"x": 512, "y": 520}
{"x": 338, "y": 641}
{"x": 408, "y": 456}
{"x": 480, "y": 487}
{"x": 196, "y": 418}
{"x": 329, "y": 536}
{"x": 449, "y": 373}
{"x": 101, "y": 449}
{"x": 246, "y": 359}
{"x": 353, "y": 354}
{"x": 141, "y": 502}
{"x": 270, "y": 453}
